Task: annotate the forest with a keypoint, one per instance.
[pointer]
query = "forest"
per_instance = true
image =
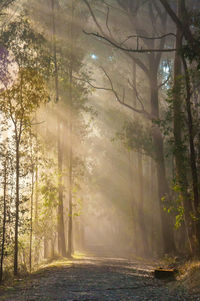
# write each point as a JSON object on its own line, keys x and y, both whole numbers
{"x": 100, "y": 132}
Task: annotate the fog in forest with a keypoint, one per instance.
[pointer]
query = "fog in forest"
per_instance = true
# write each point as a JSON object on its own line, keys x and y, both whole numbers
{"x": 95, "y": 143}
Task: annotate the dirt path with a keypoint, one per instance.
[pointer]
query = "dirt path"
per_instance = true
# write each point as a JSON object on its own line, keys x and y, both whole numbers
{"x": 95, "y": 280}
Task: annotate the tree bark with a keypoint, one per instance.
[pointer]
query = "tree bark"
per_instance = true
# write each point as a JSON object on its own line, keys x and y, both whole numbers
{"x": 163, "y": 189}
{"x": 70, "y": 223}
{"x": 132, "y": 171}
{"x": 183, "y": 28}
{"x": 36, "y": 251}
{"x": 61, "y": 232}
{"x": 141, "y": 213}
{"x": 16, "y": 207}
{"x": 178, "y": 143}
{"x": 193, "y": 156}
{"x": 70, "y": 217}
{"x": 45, "y": 247}
{"x": 4, "y": 219}
{"x": 31, "y": 223}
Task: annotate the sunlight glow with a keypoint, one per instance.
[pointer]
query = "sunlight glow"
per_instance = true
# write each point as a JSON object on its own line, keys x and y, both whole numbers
{"x": 94, "y": 56}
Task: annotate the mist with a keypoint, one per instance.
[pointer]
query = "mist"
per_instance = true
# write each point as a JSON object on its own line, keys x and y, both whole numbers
{"x": 97, "y": 157}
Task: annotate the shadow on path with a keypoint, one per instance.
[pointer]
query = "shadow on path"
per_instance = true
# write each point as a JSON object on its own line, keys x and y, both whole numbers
{"x": 94, "y": 279}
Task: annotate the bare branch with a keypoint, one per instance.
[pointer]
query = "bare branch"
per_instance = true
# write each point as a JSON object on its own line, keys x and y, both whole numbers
{"x": 128, "y": 49}
{"x": 172, "y": 14}
{"x": 164, "y": 83}
{"x": 184, "y": 28}
{"x": 142, "y": 111}
{"x": 38, "y": 123}
{"x": 107, "y": 20}
{"x": 114, "y": 92}
{"x": 139, "y": 98}
{"x": 162, "y": 41}
{"x": 124, "y": 95}
{"x": 93, "y": 17}
{"x": 157, "y": 7}
{"x": 115, "y": 7}
{"x": 153, "y": 17}
{"x": 147, "y": 38}
{"x": 153, "y": 38}
{"x": 140, "y": 64}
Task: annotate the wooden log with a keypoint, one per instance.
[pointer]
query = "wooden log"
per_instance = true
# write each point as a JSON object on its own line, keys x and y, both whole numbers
{"x": 162, "y": 273}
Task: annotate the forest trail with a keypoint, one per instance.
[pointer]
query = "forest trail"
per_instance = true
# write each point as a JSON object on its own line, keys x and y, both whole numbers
{"x": 94, "y": 279}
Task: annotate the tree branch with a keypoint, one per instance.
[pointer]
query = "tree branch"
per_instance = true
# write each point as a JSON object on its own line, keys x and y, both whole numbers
{"x": 116, "y": 45}
{"x": 112, "y": 90}
{"x": 107, "y": 20}
{"x": 153, "y": 38}
{"x": 139, "y": 98}
{"x": 172, "y": 14}
{"x": 185, "y": 29}
{"x": 162, "y": 84}
{"x": 93, "y": 17}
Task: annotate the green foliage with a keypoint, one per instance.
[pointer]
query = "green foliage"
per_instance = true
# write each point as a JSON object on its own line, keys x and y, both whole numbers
{"x": 26, "y": 47}
{"x": 49, "y": 191}
{"x": 191, "y": 52}
{"x": 173, "y": 204}
{"x": 22, "y": 99}
{"x": 138, "y": 137}
{"x": 166, "y": 124}
{"x": 179, "y": 217}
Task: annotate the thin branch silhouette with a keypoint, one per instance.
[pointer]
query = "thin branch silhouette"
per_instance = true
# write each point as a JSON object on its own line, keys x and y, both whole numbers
{"x": 116, "y": 45}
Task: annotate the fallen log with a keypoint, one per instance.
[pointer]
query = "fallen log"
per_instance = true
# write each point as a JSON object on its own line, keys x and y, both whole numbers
{"x": 162, "y": 273}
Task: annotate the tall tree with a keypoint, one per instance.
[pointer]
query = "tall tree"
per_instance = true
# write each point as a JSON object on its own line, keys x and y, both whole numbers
{"x": 179, "y": 148}
{"x": 23, "y": 98}
{"x": 5, "y": 157}
{"x": 154, "y": 46}
{"x": 61, "y": 228}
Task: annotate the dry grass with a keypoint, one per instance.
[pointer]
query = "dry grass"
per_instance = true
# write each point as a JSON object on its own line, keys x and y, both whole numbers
{"x": 47, "y": 265}
{"x": 57, "y": 262}
{"x": 189, "y": 275}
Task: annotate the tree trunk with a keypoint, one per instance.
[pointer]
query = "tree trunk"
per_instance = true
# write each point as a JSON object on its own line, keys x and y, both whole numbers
{"x": 178, "y": 143}
{"x": 141, "y": 214}
{"x": 36, "y": 251}
{"x": 182, "y": 27}
{"x": 70, "y": 218}
{"x": 52, "y": 254}
{"x": 45, "y": 248}
{"x": 163, "y": 189}
{"x": 4, "y": 219}
{"x": 152, "y": 191}
{"x": 70, "y": 223}
{"x": 16, "y": 208}
{"x": 31, "y": 223}
{"x": 193, "y": 157}
{"x": 132, "y": 199}
{"x": 132, "y": 169}
{"x": 61, "y": 231}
